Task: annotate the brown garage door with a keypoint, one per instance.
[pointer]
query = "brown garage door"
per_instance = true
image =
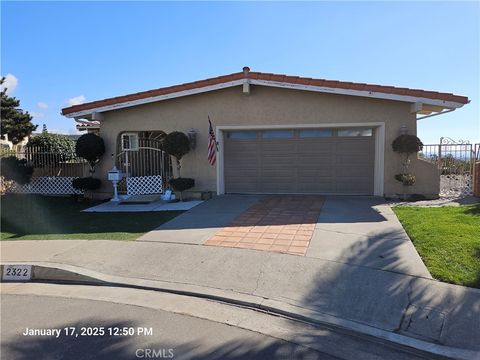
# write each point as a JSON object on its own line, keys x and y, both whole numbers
{"x": 300, "y": 161}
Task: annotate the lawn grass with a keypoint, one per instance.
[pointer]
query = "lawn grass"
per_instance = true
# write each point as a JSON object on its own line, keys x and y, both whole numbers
{"x": 447, "y": 239}
{"x": 36, "y": 217}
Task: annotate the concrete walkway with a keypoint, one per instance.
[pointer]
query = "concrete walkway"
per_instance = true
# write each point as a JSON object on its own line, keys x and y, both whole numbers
{"x": 203, "y": 221}
{"x": 404, "y": 304}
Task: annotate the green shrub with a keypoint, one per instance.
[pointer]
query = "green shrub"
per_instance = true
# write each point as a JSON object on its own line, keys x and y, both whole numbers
{"x": 90, "y": 147}
{"x": 16, "y": 170}
{"x": 407, "y": 144}
{"x": 406, "y": 179}
{"x": 181, "y": 184}
{"x": 59, "y": 148}
{"x": 176, "y": 144}
{"x": 86, "y": 183}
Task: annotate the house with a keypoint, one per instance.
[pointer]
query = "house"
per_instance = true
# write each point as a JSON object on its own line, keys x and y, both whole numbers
{"x": 276, "y": 133}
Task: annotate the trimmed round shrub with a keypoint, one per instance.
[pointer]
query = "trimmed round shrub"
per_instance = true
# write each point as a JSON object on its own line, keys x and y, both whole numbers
{"x": 16, "y": 170}
{"x": 407, "y": 144}
{"x": 90, "y": 147}
{"x": 176, "y": 144}
{"x": 86, "y": 183}
{"x": 182, "y": 184}
{"x": 406, "y": 179}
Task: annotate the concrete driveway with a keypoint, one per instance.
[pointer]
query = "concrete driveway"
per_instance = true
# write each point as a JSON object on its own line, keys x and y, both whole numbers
{"x": 355, "y": 230}
{"x": 363, "y": 230}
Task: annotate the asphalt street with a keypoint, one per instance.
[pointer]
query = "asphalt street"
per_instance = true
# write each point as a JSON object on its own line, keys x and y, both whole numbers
{"x": 79, "y": 327}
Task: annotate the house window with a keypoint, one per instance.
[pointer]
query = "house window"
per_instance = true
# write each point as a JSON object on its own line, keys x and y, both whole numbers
{"x": 314, "y": 133}
{"x": 241, "y": 135}
{"x": 130, "y": 142}
{"x": 354, "y": 132}
{"x": 277, "y": 134}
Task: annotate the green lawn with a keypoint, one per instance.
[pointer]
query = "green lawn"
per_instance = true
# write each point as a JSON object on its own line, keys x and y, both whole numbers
{"x": 447, "y": 239}
{"x": 35, "y": 217}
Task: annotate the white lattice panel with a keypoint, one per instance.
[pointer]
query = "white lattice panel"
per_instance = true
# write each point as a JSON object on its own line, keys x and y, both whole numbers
{"x": 142, "y": 185}
{"x": 47, "y": 186}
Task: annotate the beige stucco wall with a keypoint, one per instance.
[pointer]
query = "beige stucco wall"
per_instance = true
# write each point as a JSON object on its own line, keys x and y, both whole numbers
{"x": 264, "y": 106}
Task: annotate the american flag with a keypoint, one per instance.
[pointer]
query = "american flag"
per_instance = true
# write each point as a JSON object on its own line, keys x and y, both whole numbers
{"x": 212, "y": 144}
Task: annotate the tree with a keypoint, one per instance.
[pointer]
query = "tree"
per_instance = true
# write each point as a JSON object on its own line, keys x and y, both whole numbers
{"x": 176, "y": 144}
{"x": 16, "y": 124}
{"x": 90, "y": 147}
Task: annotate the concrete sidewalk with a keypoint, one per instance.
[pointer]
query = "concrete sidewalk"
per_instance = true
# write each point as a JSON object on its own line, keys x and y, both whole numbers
{"x": 414, "y": 306}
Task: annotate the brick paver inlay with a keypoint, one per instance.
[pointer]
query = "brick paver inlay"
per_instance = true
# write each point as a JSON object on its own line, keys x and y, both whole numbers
{"x": 279, "y": 223}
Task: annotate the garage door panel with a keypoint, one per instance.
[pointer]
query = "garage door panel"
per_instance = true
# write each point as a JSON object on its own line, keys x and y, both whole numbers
{"x": 315, "y": 161}
{"x": 354, "y": 186}
{"x": 353, "y": 159}
{"x": 276, "y": 188}
{"x": 354, "y": 171}
{"x": 280, "y": 173}
{"x": 316, "y": 187}
{"x": 354, "y": 144}
{"x": 300, "y": 165}
{"x": 309, "y": 147}
{"x": 275, "y": 162}
{"x": 316, "y": 172}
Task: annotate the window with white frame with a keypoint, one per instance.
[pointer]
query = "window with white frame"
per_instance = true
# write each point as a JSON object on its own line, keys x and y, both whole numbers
{"x": 129, "y": 142}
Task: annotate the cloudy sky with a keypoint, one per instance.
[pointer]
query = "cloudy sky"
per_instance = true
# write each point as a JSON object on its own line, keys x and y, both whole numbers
{"x": 56, "y": 54}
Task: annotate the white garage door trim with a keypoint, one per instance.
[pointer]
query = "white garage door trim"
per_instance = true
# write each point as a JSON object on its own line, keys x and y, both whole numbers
{"x": 379, "y": 147}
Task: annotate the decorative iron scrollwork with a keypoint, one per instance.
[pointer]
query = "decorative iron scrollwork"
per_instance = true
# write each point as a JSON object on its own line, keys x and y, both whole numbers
{"x": 449, "y": 141}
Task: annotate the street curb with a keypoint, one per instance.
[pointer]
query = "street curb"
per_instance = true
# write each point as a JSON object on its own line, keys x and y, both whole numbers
{"x": 63, "y": 273}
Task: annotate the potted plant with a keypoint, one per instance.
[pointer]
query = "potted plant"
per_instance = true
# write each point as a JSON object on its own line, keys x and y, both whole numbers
{"x": 406, "y": 145}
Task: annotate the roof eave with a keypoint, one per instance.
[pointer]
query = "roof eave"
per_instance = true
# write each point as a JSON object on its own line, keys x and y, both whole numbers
{"x": 321, "y": 89}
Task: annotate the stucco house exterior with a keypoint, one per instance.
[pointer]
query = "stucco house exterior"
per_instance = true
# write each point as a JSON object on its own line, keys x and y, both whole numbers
{"x": 278, "y": 133}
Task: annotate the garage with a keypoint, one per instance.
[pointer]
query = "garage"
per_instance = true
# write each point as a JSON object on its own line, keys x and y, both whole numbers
{"x": 317, "y": 160}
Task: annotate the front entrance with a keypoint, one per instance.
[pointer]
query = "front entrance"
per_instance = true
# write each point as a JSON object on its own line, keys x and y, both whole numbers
{"x": 326, "y": 161}
{"x": 146, "y": 166}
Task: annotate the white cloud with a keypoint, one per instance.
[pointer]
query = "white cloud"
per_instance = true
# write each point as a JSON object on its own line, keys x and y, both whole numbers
{"x": 10, "y": 83}
{"x": 77, "y": 100}
{"x": 42, "y": 105}
{"x": 37, "y": 114}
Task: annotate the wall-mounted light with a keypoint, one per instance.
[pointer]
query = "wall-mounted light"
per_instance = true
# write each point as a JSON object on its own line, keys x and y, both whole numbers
{"x": 192, "y": 137}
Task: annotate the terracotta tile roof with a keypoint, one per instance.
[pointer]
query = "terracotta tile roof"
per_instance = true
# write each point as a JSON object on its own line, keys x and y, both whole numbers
{"x": 268, "y": 77}
{"x": 90, "y": 125}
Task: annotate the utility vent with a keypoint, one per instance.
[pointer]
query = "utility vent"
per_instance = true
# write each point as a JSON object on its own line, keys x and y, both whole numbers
{"x": 130, "y": 142}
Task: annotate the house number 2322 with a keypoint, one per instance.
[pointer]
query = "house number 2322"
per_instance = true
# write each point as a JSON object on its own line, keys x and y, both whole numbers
{"x": 17, "y": 272}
